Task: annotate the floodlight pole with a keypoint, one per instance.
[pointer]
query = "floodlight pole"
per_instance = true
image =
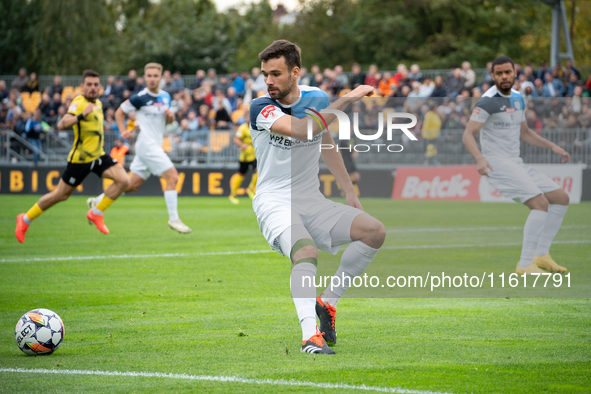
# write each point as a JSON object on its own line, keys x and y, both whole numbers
{"x": 558, "y": 19}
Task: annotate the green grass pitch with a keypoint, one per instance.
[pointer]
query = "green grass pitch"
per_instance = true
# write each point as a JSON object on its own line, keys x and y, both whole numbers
{"x": 170, "y": 303}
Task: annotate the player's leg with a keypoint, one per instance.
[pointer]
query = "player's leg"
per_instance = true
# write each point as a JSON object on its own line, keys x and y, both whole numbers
{"x": 532, "y": 230}
{"x": 107, "y": 168}
{"x": 366, "y": 235}
{"x": 171, "y": 176}
{"x": 236, "y": 181}
{"x": 252, "y": 187}
{"x": 23, "y": 220}
{"x": 558, "y": 204}
{"x": 297, "y": 243}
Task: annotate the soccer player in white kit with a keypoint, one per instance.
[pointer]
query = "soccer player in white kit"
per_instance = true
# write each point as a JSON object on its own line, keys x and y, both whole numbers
{"x": 295, "y": 218}
{"x": 152, "y": 110}
{"x": 500, "y": 118}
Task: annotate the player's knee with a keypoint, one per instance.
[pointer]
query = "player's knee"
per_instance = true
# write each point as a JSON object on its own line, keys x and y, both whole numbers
{"x": 563, "y": 198}
{"x": 63, "y": 197}
{"x": 540, "y": 202}
{"x": 380, "y": 233}
{"x": 376, "y": 234}
{"x": 123, "y": 183}
{"x": 172, "y": 178}
{"x": 306, "y": 252}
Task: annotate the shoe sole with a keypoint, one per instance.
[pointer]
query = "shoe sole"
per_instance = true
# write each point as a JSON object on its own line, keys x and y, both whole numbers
{"x": 178, "y": 231}
{"x": 549, "y": 267}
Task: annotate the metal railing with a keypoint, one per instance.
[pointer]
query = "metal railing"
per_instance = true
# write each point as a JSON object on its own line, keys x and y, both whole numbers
{"x": 221, "y": 152}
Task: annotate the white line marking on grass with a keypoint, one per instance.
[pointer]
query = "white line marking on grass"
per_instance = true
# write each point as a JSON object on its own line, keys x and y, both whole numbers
{"x": 478, "y": 245}
{"x": 225, "y": 379}
{"x": 461, "y": 229}
{"x": 131, "y": 256}
{"x": 136, "y": 256}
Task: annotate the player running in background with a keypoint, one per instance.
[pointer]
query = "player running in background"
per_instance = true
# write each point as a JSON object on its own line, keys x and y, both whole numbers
{"x": 293, "y": 215}
{"x": 152, "y": 111}
{"x": 85, "y": 116}
{"x": 243, "y": 140}
{"x": 499, "y": 114}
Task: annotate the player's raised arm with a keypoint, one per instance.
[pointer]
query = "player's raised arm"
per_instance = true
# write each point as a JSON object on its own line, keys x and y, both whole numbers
{"x": 298, "y": 128}
{"x": 532, "y": 138}
{"x": 469, "y": 139}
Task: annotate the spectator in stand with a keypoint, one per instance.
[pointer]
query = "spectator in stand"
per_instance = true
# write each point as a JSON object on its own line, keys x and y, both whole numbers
{"x": 20, "y": 82}
{"x": 385, "y": 84}
{"x": 572, "y": 83}
{"x": 414, "y": 101}
{"x": 576, "y": 104}
{"x": 32, "y": 84}
{"x": 528, "y": 72}
{"x": 110, "y": 124}
{"x": 232, "y": 99}
{"x": 204, "y": 119}
{"x": 168, "y": 86}
{"x": 401, "y": 76}
{"x": 524, "y": 83}
{"x": 223, "y": 84}
{"x": 304, "y": 78}
{"x": 199, "y": 77}
{"x": 34, "y": 130}
{"x": 533, "y": 122}
{"x": 341, "y": 77}
{"x": 139, "y": 85}
{"x": 427, "y": 87}
{"x": 165, "y": 75}
{"x": 57, "y": 86}
{"x": 130, "y": 84}
{"x": 259, "y": 84}
{"x": 223, "y": 109}
{"x": 314, "y": 71}
{"x": 109, "y": 87}
{"x": 538, "y": 90}
{"x": 415, "y": 74}
{"x": 487, "y": 77}
{"x": 3, "y": 91}
{"x": 317, "y": 81}
{"x": 455, "y": 82}
{"x": 439, "y": 89}
{"x": 542, "y": 71}
{"x": 239, "y": 83}
{"x": 212, "y": 78}
{"x": 358, "y": 77}
{"x": 45, "y": 105}
{"x": 4, "y": 121}
{"x": 119, "y": 88}
{"x": 333, "y": 85}
{"x": 372, "y": 76}
{"x": 198, "y": 100}
{"x": 193, "y": 121}
{"x": 553, "y": 87}
{"x": 469, "y": 75}
{"x": 177, "y": 82}
{"x": 570, "y": 67}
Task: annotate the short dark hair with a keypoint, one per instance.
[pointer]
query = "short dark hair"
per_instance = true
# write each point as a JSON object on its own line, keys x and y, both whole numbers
{"x": 290, "y": 51}
{"x": 89, "y": 73}
{"x": 502, "y": 60}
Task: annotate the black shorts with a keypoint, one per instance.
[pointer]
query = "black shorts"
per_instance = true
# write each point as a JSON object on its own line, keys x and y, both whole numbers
{"x": 245, "y": 164}
{"x": 76, "y": 172}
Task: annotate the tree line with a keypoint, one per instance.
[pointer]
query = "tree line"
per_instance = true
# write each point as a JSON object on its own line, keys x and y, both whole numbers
{"x": 112, "y": 36}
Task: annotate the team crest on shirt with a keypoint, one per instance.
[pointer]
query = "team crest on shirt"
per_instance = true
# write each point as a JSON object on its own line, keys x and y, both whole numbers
{"x": 268, "y": 110}
{"x": 517, "y": 105}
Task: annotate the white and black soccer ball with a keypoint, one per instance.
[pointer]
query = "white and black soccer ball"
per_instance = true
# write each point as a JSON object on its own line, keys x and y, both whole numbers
{"x": 39, "y": 331}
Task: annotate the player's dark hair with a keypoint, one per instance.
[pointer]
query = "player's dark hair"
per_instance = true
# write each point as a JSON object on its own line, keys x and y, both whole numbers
{"x": 89, "y": 73}
{"x": 502, "y": 60}
{"x": 290, "y": 51}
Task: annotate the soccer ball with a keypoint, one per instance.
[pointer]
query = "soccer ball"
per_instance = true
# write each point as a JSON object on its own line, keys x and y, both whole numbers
{"x": 39, "y": 331}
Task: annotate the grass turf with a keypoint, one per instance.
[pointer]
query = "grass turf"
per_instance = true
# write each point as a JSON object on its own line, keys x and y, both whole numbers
{"x": 231, "y": 315}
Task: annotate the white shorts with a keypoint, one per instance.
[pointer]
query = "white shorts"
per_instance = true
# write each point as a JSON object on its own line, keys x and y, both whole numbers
{"x": 318, "y": 215}
{"x": 518, "y": 181}
{"x": 150, "y": 162}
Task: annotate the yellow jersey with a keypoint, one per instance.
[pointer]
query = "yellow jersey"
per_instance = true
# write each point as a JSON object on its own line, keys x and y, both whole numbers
{"x": 88, "y": 133}
{"x": 243, "y": 132}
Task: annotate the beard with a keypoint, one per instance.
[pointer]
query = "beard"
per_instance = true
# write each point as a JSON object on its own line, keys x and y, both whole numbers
{"x": 282, "y": 93}
{"x": 505, "y": 91}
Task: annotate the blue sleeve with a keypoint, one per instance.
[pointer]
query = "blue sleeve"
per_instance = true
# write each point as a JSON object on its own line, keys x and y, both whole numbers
{"x": 256, "y": 106}
{"x": 136, "y": 101}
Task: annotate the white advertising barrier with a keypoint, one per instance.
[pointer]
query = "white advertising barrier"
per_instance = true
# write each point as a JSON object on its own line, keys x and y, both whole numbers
{"x": 568, "y": 176}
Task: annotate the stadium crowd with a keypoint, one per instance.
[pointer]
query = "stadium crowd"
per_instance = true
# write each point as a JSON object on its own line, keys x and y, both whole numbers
{"x": 557, "y": 98}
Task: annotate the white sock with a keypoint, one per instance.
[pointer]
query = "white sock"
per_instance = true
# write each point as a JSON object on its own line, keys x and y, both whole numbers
{"x": 97, "y": 211}
{"x": 531, "y": 235}
{"x": 171, "y": 198}
{"x": 27, "y": 220}
{"x": 99, "y": 198}
{"x": 551, "y": 226}
{"x": 304, "y": 297}
{"x": 354, "y": 262}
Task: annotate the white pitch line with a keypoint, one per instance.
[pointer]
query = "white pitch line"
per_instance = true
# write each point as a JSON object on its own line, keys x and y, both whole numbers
{"x": 461, "y": 229}
{"x": 131, "y": 256}
{"x": 225, "y": 379}
{"x": 478, "y": 245}
{"x": 136, "y": 256}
